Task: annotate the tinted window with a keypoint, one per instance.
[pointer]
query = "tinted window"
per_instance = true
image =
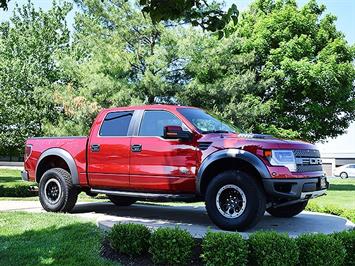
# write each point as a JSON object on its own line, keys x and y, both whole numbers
{"x": 153, "y": 123}
{"x": 116, "y": 124}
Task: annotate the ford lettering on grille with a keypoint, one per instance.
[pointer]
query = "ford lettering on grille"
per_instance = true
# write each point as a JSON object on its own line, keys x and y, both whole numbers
{"x": 308, "y": 160}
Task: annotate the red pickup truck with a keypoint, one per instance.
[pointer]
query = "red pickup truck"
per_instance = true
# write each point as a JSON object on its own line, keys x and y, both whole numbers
{"x": 177, "y": 153}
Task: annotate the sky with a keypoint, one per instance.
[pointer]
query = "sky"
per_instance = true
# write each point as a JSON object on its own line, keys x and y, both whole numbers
{"x": 343, "y": 9}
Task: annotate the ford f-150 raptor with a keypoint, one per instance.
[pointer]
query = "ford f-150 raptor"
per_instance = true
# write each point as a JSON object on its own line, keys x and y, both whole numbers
{"x": 177, "y": 153}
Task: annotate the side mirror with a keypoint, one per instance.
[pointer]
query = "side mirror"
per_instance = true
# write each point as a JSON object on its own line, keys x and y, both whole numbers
{"x": 176, "y": 132}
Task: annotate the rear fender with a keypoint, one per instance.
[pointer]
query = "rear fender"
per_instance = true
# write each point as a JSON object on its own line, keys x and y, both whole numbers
{"x": 66, "y": 157}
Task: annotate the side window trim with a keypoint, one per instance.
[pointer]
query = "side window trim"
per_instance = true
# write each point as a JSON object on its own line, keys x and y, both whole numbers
{"x": 130, "y": 126}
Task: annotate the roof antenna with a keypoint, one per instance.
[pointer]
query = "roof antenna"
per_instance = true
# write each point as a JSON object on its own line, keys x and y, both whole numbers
{"x": 221, "y": 129}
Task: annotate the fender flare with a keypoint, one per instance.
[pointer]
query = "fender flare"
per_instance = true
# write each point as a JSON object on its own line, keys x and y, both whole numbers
{"x": 66, "y": 157}
{"x": 231, "y": 153}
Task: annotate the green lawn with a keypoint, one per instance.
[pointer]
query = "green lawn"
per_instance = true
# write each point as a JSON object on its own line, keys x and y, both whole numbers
{"x": 341, "y": 194}
{"x": 47, "y": 238}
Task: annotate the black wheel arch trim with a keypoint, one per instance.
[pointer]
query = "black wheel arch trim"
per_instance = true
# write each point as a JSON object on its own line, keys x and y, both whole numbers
{"x": 231, "y": 153}
{"x": 66, "y": 157}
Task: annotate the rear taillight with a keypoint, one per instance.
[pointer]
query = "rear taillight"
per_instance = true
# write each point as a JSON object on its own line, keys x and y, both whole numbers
{"x": 28, "y": 150}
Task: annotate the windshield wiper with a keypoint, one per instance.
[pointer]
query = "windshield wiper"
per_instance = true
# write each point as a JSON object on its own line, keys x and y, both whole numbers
{"x": 216, "y": 131}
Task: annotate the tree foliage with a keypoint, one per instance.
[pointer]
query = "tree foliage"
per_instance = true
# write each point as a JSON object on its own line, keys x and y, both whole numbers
{"x": 3, "y": 4}
{"x": 281, "y": 67}
{"x": 282, "y": 70}
{"x": 29, "y": 44}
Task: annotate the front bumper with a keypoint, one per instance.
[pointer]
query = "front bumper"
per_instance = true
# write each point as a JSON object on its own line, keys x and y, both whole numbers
{"x": 296, "y": 188}
{"x": 24, "y": 175}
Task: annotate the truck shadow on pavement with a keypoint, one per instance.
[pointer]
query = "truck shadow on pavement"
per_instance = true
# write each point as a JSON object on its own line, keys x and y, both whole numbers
{"x": 195, "y": 219}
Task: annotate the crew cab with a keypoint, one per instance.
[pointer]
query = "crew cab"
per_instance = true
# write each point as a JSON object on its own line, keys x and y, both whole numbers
{"x": 177, "y": 153}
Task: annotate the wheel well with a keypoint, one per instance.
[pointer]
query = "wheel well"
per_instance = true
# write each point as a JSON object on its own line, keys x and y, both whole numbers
{"x": 226, "y": 164}
{"x": 49, "y": 162}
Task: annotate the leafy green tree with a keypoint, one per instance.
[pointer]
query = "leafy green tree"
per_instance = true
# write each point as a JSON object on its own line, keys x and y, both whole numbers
{"x": 29, "y": 68}
{"x": 118, "y": 57}
{"x": 3, "y": 4}
{"x": 282, "y": 66}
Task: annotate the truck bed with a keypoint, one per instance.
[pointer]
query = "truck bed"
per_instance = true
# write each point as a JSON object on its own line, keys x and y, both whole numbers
{"x": 75, "y": 146}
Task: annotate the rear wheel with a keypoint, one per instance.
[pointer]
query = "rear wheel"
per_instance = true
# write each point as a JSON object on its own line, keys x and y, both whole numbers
{"x": 288, "y": 210}
{"x": 121, "y": 201}
{"x": 234, "y": 201}
{"x": 56, "y": 191}
{"x": 344, "y": 175}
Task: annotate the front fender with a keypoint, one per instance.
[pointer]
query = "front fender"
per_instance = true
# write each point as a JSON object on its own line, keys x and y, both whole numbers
{"x": 248, "y": 157}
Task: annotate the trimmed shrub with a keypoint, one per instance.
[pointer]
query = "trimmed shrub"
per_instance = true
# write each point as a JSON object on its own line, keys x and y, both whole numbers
{"x": 17, "y": 189}
{"x": 330, "y": 209}
{"x": 320, "y": 249}
{"x": 271, "y": 248}
{"x": 130, "y": 239}
{"x": 171, "y": 246}
{"x": 347, "y": 238}
{"x": 224, "y": 249}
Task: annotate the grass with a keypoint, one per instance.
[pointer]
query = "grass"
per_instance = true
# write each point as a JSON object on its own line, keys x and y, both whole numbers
{"x": 46, "y": 238}
{"x": 11, "y": 181}
{"x": 341, "y": 194}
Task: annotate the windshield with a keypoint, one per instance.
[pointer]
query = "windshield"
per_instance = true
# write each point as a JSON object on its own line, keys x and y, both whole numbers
{"x": 204, "y": 122}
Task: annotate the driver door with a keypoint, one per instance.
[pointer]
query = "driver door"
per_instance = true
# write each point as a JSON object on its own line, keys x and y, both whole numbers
{"x": 158, "y": 164}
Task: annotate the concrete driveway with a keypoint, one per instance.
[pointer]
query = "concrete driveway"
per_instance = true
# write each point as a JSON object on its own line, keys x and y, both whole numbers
{"x": 194, "y": 219}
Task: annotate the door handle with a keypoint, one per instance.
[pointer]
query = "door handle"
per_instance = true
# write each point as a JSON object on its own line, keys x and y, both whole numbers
{"x": 136, "y": 148}
{"x": 95, "y": 147}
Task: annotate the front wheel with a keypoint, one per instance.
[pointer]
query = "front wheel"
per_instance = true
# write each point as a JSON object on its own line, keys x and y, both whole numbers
{"x": 56, "y": 191}
{"x": 235, "y": 201}
{"x": 288, "y": 211}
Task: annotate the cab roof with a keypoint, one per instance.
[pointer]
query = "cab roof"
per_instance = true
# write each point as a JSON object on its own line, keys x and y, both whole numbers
{"x": 148, "y": 107}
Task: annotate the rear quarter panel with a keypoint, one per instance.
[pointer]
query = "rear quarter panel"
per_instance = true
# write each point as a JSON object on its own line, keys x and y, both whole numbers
{"x": 75, "y": 146}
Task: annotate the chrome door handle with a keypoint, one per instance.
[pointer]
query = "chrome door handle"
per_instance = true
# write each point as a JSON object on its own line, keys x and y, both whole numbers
{"x": 136, "y": 147}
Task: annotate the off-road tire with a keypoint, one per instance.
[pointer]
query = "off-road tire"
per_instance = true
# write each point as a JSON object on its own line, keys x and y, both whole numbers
{"x": 121, "y": 201}
{"x": 288, "y": 211}
{"x": 68, "y": 195}
{"x": 253, "y": 192}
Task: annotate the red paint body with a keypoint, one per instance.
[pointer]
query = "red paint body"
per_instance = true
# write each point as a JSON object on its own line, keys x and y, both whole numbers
{"x": 163, "y": 165}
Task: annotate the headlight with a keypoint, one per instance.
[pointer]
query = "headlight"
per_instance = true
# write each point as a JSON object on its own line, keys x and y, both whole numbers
{"x": 282, "y": 158}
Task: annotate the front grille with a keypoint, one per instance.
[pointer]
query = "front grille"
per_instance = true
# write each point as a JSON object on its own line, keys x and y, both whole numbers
{"x": 308, "y": 161}
{"x": 309, "y": 168}
{"x": 306, "y": 153}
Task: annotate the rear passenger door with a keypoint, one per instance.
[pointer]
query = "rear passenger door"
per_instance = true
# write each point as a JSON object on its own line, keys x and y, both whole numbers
{"x": 109, "y": 150}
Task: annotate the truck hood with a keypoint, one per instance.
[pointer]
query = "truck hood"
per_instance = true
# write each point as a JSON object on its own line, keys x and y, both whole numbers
{"x": 253, "y": 141}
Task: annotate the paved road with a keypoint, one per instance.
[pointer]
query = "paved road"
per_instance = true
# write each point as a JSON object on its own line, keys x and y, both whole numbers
{"x": 193, "y": 219}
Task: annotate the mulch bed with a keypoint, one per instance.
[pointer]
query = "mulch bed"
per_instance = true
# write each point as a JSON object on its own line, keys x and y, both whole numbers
{"x": 107, "y": 252}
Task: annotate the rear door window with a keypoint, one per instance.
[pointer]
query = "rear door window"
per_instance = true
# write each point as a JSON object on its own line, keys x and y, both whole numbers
{"x": 116, "y": 124}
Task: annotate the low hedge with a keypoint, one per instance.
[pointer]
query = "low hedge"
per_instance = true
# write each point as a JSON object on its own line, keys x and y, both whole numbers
{"x": 17, "y": 189}
{"x": 224, "y": 249}
{"x": 171, "y": 246}
{"x": 348, "y": 214}
{"x": 271, "y": 248}
{"x": 320, "y": 249}
{"x": 130, "y": 239}
{"x": 174, "y": 246}
{"x": 347, "y": 238}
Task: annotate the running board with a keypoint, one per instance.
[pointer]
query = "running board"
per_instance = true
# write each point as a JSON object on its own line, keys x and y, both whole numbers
{"x": 148, "y": 196}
